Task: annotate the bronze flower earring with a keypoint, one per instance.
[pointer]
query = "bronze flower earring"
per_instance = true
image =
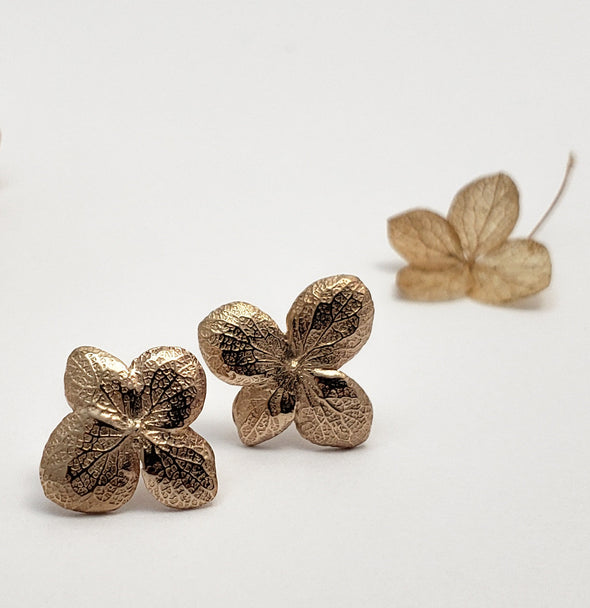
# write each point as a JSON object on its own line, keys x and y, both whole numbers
{"x": 124, "y": 416}
{"x": 294, "y": 376}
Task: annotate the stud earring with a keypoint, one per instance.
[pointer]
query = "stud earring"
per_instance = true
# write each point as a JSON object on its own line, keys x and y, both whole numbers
{"x": 294, "y": 376}
{"x": 123, "y": 416}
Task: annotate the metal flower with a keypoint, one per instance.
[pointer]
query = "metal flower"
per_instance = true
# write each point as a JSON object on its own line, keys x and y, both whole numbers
{"x": 123, "y": 415}
{"x": 294, "y": 376}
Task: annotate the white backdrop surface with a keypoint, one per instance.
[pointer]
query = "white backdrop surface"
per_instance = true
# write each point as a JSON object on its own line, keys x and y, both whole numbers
{"x": 162, "y": 158}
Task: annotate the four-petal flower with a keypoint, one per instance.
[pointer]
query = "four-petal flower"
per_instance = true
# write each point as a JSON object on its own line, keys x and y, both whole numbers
{"x": 295, "y": 376}
{"x": 469, "y": 252}
{"x": 123, "y": 415}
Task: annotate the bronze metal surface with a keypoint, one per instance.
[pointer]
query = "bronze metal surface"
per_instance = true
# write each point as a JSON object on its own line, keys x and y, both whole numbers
{"x": 294, "y": 376}
{"x": 124, "y": 416}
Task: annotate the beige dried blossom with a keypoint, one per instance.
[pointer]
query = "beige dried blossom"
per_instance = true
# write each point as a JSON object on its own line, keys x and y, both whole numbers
{"x": 469, "y": 253}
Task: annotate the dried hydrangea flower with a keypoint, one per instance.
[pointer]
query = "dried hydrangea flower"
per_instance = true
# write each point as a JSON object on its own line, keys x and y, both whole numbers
{"x": 469, "y": 252}
{"x": 294, "y": 376}
{"x": 123, "y": 416}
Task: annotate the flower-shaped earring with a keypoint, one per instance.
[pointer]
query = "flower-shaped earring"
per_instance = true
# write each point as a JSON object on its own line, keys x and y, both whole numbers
{"x": 295, "y": 376}
{"x": 123, "y": 415}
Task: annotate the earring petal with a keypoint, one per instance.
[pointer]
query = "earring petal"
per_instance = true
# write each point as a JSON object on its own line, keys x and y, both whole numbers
{"x": 330, "y": 321}
{"x": 88, "y": 465}
{"x": 333, "y": 410}
{"x": 252, "y": 413}
{"x": 241, "y": 344}
{"x": 173, "y": 387}
{"x": 179, "y": 468}
{"x": 100, "y": 383}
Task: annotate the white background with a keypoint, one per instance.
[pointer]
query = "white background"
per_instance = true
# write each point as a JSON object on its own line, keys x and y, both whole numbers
{"x": 162, "y": 158}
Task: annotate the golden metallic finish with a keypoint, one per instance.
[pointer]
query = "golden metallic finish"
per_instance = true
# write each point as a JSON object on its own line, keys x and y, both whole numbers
{"x": 123, "y": 415}
{"x": 294, "y": 376}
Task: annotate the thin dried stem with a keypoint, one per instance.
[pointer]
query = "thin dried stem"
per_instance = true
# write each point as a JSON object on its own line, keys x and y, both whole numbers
{"x": 571, "y": 161}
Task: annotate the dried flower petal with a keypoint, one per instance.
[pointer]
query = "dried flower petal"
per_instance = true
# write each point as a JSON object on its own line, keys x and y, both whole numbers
{"x": 519, "y": 268}
{"x": 434, "y": 285}
{"x": 425, "y": 239}
{"x": 484, "y": 213}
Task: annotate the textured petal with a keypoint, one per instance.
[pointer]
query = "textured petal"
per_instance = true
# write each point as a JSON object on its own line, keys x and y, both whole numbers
{"x": 100, "y": 383}
{"x": 333, "y": 410}
{"x": 425, "y": 239}
{"x": 179, "y": 468}
{"x": 330, "y": 321}
{"x": 519, "y": 268}
{"x": 241, "y": 344}
{"x": 433, "y": 285}
{"x": 252, "y": 412}
{"x": 174, "y": 387}
{"x": 88, "y": 465}
{"x": 484, "y": 213}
